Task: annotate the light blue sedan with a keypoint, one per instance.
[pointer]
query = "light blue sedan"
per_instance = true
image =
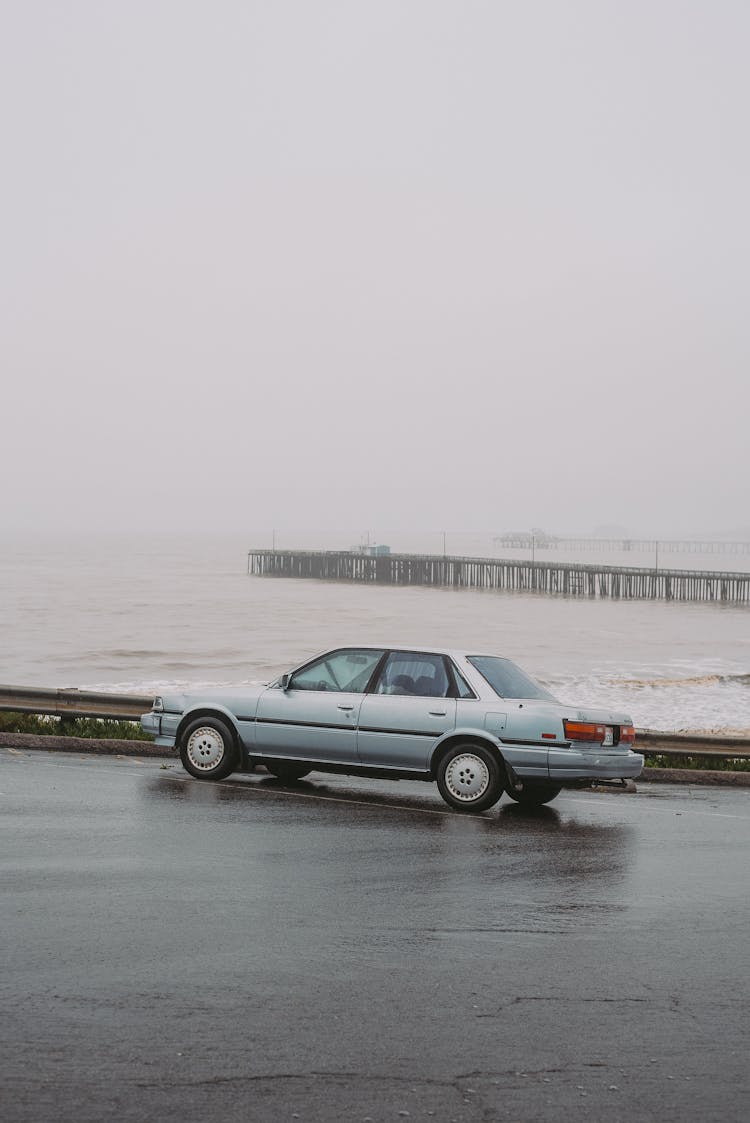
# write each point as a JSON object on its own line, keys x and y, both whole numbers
{"x": 477, "y": 725}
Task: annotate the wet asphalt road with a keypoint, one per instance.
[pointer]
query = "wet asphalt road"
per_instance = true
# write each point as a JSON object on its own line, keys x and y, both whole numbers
{"x": 355, "y": 950}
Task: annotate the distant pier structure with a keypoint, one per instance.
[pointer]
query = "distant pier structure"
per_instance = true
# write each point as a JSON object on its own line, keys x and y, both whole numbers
{"x": 562, "y": 578}
{"x": 525, "y": 540}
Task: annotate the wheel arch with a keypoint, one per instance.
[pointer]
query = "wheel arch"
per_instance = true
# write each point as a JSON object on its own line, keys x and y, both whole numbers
{"x": 210, "y": 711}
{"x": 468, "y": 737}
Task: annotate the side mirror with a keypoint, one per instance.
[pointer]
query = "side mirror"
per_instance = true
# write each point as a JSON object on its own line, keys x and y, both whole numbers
{"x": 285, "y": 680}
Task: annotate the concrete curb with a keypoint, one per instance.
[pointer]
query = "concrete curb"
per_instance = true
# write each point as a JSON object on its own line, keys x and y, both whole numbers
{"x": 111, "y": 747}
{"x": 703, "y": 776}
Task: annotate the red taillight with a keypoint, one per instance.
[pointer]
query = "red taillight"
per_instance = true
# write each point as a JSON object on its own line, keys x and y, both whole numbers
{"x": 627, "y": 734}
{"x": 584, "y": 731}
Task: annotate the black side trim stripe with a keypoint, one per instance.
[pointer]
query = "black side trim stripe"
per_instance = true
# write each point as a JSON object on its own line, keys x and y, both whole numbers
{"x": 540, "y": 744}
{"x": 395, "y": 732}
{"x": 305, "y": 724}
{"x": 402, "y": 732}
{"x": 350, "y": 728}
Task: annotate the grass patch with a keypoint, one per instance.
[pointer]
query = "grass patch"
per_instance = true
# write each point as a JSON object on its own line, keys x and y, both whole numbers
{"x": 697, "y": 763}
{"x": 95, "y": 728}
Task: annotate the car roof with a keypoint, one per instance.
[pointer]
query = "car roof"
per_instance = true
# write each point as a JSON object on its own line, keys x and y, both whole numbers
{"x": 417, "y": 648}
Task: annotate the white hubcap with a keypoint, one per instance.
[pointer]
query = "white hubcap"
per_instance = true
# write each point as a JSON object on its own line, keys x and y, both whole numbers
{"x": 205, "y": 748}
{"x": 467, "y": 777}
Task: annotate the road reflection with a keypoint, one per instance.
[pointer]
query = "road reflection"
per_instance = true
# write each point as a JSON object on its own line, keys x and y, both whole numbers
{"x": 366, "y": 868}
{"x": 333, "y": 800}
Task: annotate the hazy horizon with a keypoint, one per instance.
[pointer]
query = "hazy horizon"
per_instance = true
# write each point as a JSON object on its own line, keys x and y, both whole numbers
{"x": 472, "y": 265}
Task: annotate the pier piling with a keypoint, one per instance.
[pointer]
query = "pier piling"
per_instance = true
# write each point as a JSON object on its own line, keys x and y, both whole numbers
{"x": 569, "y": 579}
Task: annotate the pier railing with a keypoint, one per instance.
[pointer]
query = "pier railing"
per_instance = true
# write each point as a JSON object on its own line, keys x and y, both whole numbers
{"x": 564, "y": 578}
{"x": 525, "y": 540}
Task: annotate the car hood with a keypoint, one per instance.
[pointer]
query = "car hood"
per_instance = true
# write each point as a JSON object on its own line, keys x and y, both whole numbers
{"x": 226, "y": 696}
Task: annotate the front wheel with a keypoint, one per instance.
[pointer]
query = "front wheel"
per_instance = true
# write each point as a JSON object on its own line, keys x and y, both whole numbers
{"x": 535, "y": 794}
{"x": 469, "y": 778}
{"x": 208, "y": 749}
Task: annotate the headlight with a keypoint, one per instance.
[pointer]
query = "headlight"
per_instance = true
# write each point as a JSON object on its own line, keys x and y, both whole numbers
{"x": 158, "y": 705}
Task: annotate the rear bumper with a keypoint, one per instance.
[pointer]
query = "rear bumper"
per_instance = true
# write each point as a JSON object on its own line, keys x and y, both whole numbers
{"x": 572, "y": 764}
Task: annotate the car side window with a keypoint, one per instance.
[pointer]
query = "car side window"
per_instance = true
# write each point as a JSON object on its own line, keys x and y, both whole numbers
{"x": 348, "y": 670}
{"x": 413, "y": 673}
{"x": 463, "y": 690}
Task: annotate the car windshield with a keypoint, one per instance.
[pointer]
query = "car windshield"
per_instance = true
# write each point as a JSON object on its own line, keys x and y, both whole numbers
{"x": 506, "y": 679}
{"x": 346, "y": 670}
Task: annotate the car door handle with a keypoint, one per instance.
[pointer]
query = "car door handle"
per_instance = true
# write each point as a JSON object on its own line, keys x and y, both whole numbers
{"x": 345, "y": 707}
{"x": 438, "y": 713}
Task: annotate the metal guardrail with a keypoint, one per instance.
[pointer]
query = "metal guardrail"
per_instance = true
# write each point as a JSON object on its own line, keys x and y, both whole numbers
{"x": 129, "y": 707}
{"x": 74, "y": 703}
{"x": 691, "y": 744}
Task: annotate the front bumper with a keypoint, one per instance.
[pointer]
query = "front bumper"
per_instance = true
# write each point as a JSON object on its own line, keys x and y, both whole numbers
{"x": 161, "y": 726}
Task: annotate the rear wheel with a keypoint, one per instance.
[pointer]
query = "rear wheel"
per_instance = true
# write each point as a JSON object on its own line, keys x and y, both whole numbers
{"x": 469, "y": 778}
{"x": 208, "y": 749}
{"x": 288, "y": 773}
{"x": 534, "y": 795}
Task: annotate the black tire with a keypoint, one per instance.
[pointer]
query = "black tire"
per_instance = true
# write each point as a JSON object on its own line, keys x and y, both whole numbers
{"x": 288, "y": 773}
{"x": 208, "y": 749}
{"x": 470, "y": 778}
{"x": 535, "y": 795}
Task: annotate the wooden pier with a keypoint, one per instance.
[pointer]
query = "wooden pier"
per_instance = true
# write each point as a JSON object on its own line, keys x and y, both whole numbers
{"x": 526, "y": 540}
{"x": 561, "y": 578}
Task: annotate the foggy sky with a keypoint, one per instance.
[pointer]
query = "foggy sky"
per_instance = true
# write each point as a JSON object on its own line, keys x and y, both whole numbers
{"x": 360, "y": 263}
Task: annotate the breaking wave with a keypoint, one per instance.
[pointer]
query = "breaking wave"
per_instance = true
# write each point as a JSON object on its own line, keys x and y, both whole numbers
{"x": 693, "y": 680}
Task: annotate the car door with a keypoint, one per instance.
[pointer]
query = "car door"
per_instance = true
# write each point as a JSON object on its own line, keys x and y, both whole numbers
{"x": 407, "y": 711}
{"x": 315, "y": 717}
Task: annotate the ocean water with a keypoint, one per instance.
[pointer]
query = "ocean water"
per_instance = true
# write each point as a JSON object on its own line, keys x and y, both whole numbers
{"x": 144, "y": 613}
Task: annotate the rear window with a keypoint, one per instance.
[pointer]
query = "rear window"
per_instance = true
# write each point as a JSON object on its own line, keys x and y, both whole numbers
{"x": 508, "y": 680}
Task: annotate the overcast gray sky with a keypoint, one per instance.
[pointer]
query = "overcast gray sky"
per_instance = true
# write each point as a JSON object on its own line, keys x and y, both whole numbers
{"x": 345, "y": 263}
